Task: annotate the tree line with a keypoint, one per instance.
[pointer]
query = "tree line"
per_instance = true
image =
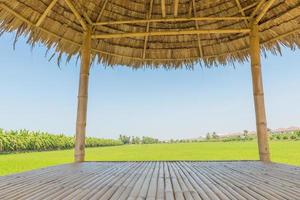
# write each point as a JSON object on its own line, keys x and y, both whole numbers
{"x": 294, "y": 135}
{"x": 138, "y": 140}
{"x": 24, "y": 140}
{"x": 245, "y": 136}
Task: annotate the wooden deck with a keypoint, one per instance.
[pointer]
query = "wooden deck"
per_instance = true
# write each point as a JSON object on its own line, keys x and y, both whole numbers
{"x": 155, "y": 180}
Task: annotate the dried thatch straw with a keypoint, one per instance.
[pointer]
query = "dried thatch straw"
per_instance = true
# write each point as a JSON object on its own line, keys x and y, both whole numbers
{"x": 165, "y": 32}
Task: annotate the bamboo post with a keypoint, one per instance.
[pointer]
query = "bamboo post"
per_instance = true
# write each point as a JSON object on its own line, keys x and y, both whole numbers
{"x": 83, "y": 97}
{"x": 261, "y": 122}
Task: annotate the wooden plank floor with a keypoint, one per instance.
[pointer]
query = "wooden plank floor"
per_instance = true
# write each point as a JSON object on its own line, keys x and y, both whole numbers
{"x": 155, "y": 180}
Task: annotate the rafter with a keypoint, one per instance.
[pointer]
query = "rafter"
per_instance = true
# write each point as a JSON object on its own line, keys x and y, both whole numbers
{"x": 190, "y": 8}
{"x": 87, "y": 18}
{"x": 264, "y": 11}
{"x": 77, "y": 14}
{"x": 81, "y": 8}
{"x": 142, "y": 21}
{"x": 101, "y": 11}
{"x": 238, "y": 3}
{"x": 100, "y": 14}
{"x": 197, "y": 28}
{"x": 249, "y": 6}
{"x": 163, "y": 33}
{"x": 163, "y": 8}
{"x": 149, "y": 15}
{"x": 176, "y": 3}
{"x": 257, "y": 8}
{"x": 16, "y": 14}
{"x": 44, "y": 15}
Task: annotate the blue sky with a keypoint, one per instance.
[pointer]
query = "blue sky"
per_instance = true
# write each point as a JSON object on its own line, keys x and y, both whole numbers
{"x": 38, "y": 95}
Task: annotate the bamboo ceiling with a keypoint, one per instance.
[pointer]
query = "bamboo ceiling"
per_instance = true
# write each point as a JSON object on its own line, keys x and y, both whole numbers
{"x": 154, "y": 33}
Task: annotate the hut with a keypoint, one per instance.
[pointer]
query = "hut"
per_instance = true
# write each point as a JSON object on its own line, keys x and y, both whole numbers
{"x": 168, "y": 34}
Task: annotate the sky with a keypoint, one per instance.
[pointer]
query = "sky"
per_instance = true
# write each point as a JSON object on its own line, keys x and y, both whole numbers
{"x": 38, "y": 95}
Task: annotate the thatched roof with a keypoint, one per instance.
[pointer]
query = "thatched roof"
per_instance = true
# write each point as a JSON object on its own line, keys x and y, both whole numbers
{"x": 169, "y": 33}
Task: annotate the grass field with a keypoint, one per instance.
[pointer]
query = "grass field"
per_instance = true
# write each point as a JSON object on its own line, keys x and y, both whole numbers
{"x": 282, "y": 151}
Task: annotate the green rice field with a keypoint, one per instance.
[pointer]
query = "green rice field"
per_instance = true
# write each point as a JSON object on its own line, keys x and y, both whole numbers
{"x": 282, "y": 151}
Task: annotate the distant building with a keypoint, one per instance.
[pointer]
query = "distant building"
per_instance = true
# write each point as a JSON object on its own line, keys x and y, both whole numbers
{"x": 285, "y": 130}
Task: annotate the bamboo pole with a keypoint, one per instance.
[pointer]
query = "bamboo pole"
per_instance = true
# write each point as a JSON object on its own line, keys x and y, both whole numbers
{"x": 261, "y": 122}
{"x": 44, "y": 15}
{"x": 162, "y": 33}
{"x": 190, "y": 8}
{"x": 163, "y": 8}
{"x": 102, "y": 10}
{"x": 257, "y": 8}
{"x": 83, "y": 97}
{"x": 197, "y": 28}
{"x": 149, "y": 15}
{"x": 164, "y": 20}
{"x": 176, "y": 3}
{"x": 77, "y": 14}
{"x": 264, "y": 11}
{"x": 238, "y": 3}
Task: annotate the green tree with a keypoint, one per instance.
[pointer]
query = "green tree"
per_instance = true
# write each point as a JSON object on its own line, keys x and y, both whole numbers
{"x": 24, "y": 140}
{"x": 214, "y": 135}
{"x": 135, "y": 140}
{"x": 293, "y": 137}
{"x": 278, "y": 137}
{"x": 149, "y": 140}
{"x": 125, "y": 139}
{"x": 208, "y": 136}
{"x": 246, "y": 133}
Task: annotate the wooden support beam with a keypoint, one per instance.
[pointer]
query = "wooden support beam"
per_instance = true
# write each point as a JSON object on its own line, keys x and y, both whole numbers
{"x": 190, "y": 8}
{"x": 102, "y": 10}
{"x": 176, "y": 3}
{"x": 197, "y": 28}
{"x": 87, "y": 18}
{"x": 16, "y": 14}
{"x": 162, "y": 33}
{"x": 149, "y": 15}
{"x": 249, "y": 6}
{"x": 79, "y": 7}
{"x": 261, "y": 122}
{"x": 257, "y": 8}
{"x": 79, "y": 152}
{"x": 44, "y": 15}
{"x": 77, "y": 14}
{"x": 163, "y": 8}
{"x": 182, "y": 19}
{"x": 100, "y": 14}
{"x": 264, "y": 11}
{"x": 242, "y": 11}
{"x": 240, "y": 7}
